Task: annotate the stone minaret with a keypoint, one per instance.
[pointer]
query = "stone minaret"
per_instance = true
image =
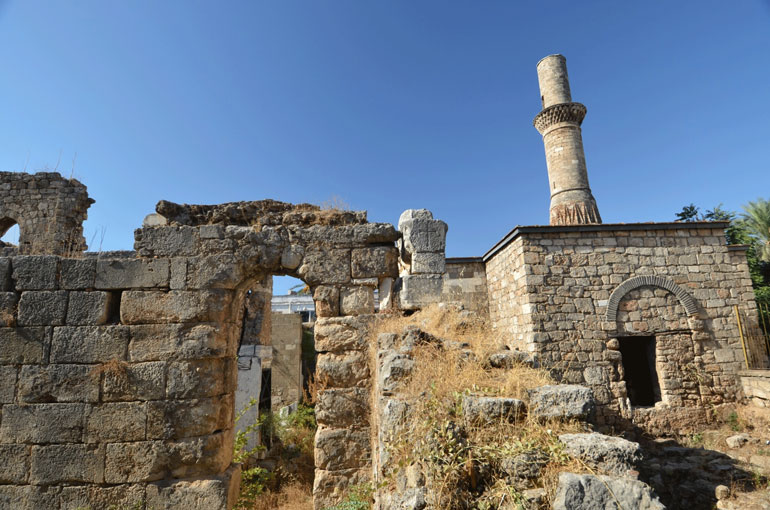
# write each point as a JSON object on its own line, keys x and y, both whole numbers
{"x": 571, "y": 200}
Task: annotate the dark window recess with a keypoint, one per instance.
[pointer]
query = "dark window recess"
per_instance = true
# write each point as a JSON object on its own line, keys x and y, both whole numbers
{"x": 638, "y": 353}
{"x": 113, "y": 307}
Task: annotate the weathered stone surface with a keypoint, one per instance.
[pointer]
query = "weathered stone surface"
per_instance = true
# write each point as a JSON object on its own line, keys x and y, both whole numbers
{"x": 563, "y": 401}
{"x": 42, "y": 308}
{"x": 6, "y": 284}
{"x": 341, "y": 334}
{"x": 148, "y": 307}
{"x": 89, "y": 344}
{"x": 377, "y": 262}
{"x": 613, "y": 455}
{"x": 417, "y": 291}
{"x": 131, "y": 273}
{"x": 35, "y": 272}
{"x": 133, "y": 381}
{"x": 167, "y": 241}
{"x": 423, "y": 235}
{"x": 78, "y": 274}
{"x": 153, "y": 342}
{"x": 737, "y": 440}
{"x": 509, "y": 359}
{"x": 325, "y": 267}
{"x": 98, "y": 497}
{"x": 88, "y": 308}
{"x": 356, "y": 300}
{"x": 24, "y": 345}
{"x": 522, "y": 469}
{"x": 8, "y": 302}
{"x": 395, "y": 368}
{"x": 589, "y": 492}
{"x": 291, "y": 257}
{"x": 342, "y": 370}
{"x": 141, "y": 461}
{"x": 330, "y": 487}
{"x": 200, "y": 378}
{"x": 337, "y": 449}
{"x": 341, "y": 407}
{"x": 8, "y": 387}
{"x": 28, "y": 497}
{"x": 66, "y": 463}
{"x": 489, "y": 410}
{"x": 327, "y": 301}
{"x": 215, "y": 493}
{"x": 200, "y": 456}
{"x": 57, "y": 383}
{"x": 221, "y": 271}
{"x": 42, "y": 423}
{"x": 188, "y": 418}
{"x": 15, "y": 464}
{"x": 118, "y": 421}
{"x": 428, "y": 263}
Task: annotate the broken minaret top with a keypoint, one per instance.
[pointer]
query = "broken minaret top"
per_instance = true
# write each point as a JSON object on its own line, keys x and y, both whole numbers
{"x": 559, "y": 122}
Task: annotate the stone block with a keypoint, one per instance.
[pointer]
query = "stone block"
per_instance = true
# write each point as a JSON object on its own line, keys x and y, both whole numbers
{"x": 356, "y": 300}
{"x": 88, "y": 308}
{"x": 123, "y": 497}
{"x": 178, "y": 273}
{"x": 212, "y": 231}
{"x": 327, "y": 301}
{"x": 141, "y": 461}
{"x": 331, "y": 487}
{"x": 42, "y": 308}
{"x": 291, "y": 257}
{"x": 343, "y": 448}
{"x": 588, "y": 492}
{"x": 133, "y": 381}
{"x": 428, "y": 263}
{"x": 28, "y": 497}
{"x": 117, "y": 421}
{"x": 6, "y": 283}
{"x": 160, "y": 342}
{"x": 324, "y": 267}
{"x": 8, "y": 302}
{"x": 386, "y": 293}
{"x": 210, "y": 493}
{"x": 487, "y": 411}
{"x": 423, "y": 235}
{"x": 200, "y": 456}
{"x": 561, "y": 401}
{"x": 15, "y": 464}
{"x": 8, "y": 384}
{"x": 340, "y": 334}
{"x": 57, "y": 383}
{"x": 201, "y": 378}
{"x": 78, "y": 274}
{"x": 112, "y": 274}
{"x": 167, "y": 241}
{"x": 221, "y": 271}
{"x": 35, "y": 272}
{"x": 417, "y": 291}
{"x": 395, "y": 368}
{"x": 342, "y": 407}
{"x": 24, "y": 345}
{"x": 89, "y": 344}
{"x": 51, "y": 464}
{"x": 376, "y": 262}
{"x": 178, "y": 419}
{"x": 148, "y": 307}
{"x": 42, "y": 423}
{"x": 612, "y": 455}
{"x": 342, "y": 370}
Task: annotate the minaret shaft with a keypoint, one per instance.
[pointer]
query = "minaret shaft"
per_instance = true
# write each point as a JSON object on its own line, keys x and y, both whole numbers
{"x": 559, "y": 122}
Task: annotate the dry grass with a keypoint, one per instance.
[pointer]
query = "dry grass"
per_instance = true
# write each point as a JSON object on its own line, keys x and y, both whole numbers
{"x": 113, "y": 367}
{"x": 442, "y": 377}
{"x": 291, "y": 497}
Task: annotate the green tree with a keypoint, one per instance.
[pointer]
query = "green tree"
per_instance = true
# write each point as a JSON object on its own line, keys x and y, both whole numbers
{"x": 689, "y": 213}
{"x": 756, "y": 217}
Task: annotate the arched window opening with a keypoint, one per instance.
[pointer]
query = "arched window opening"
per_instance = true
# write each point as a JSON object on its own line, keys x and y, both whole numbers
{"x": 9, "y": 231}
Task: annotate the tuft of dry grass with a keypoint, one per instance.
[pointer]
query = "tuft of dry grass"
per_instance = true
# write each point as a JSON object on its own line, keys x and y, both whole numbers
{"x": 295, "y": 496}
{"x": 113, "y": 367}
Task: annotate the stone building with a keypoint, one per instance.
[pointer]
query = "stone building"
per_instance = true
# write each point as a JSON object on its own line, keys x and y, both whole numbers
{"x": 118, "y": 371}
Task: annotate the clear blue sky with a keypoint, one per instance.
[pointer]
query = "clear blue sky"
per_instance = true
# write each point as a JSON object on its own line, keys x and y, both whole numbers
{"x": 388, "y": 105}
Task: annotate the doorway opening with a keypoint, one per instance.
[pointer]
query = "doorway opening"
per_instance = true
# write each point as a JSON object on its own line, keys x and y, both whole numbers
{"x": 641, "y": 376}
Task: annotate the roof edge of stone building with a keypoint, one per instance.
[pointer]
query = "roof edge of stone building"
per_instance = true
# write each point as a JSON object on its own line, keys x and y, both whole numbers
{"x": 463, "y": 260}
{"x": 599, "y": 227}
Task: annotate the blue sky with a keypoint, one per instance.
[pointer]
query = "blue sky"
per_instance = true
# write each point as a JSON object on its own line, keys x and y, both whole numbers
{"x": 387, "y": 105}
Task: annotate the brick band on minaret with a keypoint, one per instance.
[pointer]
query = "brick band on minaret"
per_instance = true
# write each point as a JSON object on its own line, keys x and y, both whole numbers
{"x": 559, "y": 122}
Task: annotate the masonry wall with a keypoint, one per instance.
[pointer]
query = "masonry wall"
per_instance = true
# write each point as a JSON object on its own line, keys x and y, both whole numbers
{"x": 465, "y": 281}
{"x": 551, "y": 288}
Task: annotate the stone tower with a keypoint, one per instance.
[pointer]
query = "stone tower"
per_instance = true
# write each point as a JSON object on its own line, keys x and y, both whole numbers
{"x": 559, "y": 122}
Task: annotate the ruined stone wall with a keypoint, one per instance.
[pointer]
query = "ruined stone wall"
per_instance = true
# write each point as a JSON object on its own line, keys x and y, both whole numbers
{"x": 49, "y": 210}
{"x": 465, "y": 282}
{"x": 566, "y": 294}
